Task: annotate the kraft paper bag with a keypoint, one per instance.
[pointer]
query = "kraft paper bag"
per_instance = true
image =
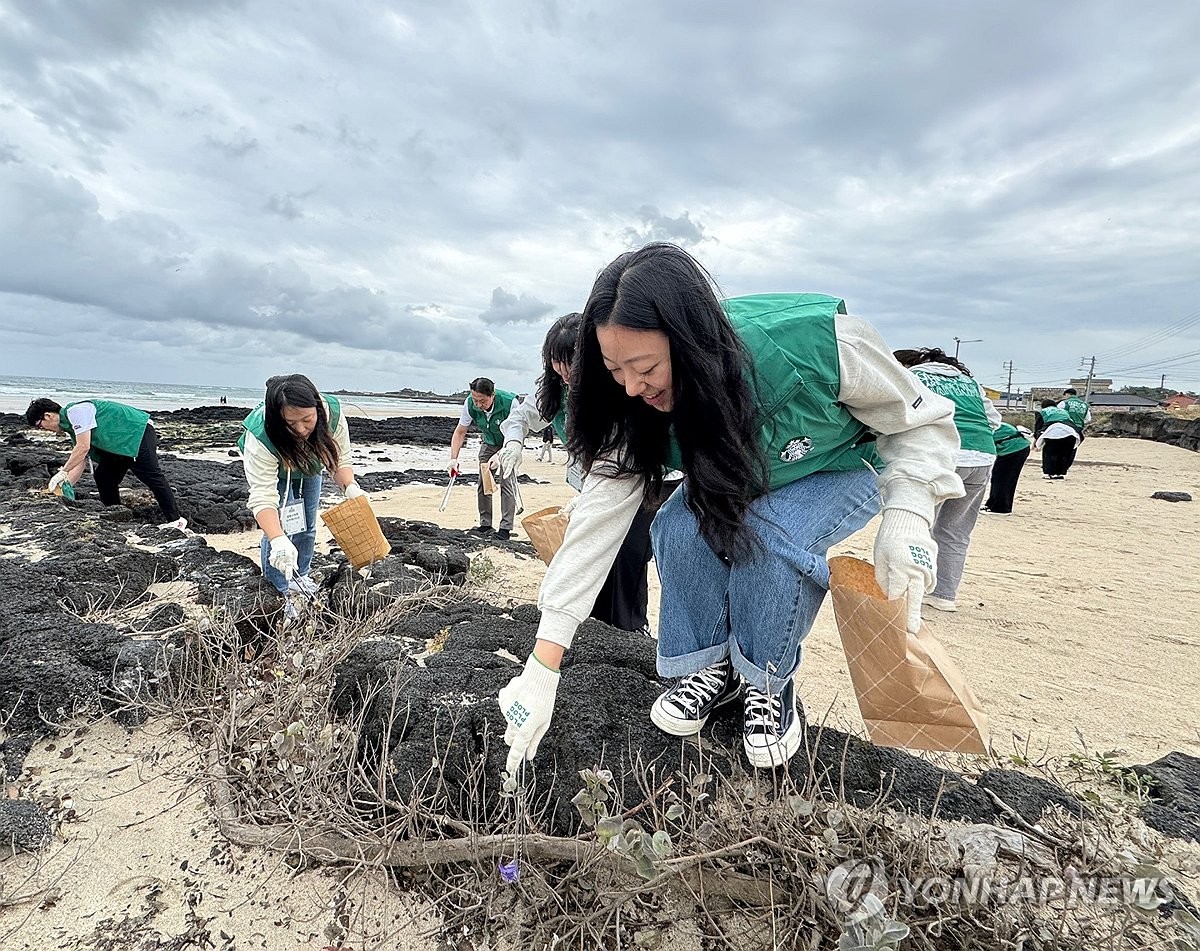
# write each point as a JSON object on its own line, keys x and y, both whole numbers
{"x": 546, "y": 528}
{"x": 486, "y": 477}
{"x": 910, "y": 693}
{"x": 356, "y": 530}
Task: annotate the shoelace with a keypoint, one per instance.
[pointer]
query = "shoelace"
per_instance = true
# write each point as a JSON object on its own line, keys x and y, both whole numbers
{"x": 762, "y": 710}
{"x": 702, "y": 686}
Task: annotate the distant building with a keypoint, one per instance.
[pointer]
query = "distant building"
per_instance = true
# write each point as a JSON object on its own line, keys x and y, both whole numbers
{"x": 1121, "y": 403}
{"x": 1033, "y": 399}
{"x": 1179, "y": 401}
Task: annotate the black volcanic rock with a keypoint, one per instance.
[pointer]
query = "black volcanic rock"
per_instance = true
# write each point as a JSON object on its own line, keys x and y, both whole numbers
{"x": 1158, "y": 427}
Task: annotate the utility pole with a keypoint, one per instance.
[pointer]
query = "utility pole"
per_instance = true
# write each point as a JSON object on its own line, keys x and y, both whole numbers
{"x": 1008, "y": 389}
{"x": 1162, "y": 382}
{"x": 1091, "y": 373}
{"x": 958, "y": 342}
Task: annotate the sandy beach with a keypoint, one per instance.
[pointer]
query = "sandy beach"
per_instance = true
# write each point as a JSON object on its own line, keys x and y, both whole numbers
{"x": 1073, "y": 628}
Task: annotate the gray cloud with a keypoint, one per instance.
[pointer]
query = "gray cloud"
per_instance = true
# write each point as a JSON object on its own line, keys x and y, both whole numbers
{"x": 509, "y": 308}
{"x": 227, "y": 186}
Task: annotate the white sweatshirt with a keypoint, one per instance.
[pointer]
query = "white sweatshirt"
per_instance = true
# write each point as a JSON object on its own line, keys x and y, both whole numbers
{"x": 262, "y": 466}
{"x": 916, "y": 439}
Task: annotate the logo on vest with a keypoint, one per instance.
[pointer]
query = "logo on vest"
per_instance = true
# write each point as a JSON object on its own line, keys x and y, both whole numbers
{"x": 796, "y": 449}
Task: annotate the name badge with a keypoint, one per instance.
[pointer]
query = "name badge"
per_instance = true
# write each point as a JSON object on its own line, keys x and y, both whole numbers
{"x": 575, "y": 476}
{"x": 291, "y": 517}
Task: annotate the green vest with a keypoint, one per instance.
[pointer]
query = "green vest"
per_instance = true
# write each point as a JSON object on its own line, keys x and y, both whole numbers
{"x": 119, "y": 428}
{"x": 970, "y": 415}
{"x": 1008, "y": 440}
{"x": 256, "y": 423}
{"x": 490, "y": 428}
{"x": 1077, "y": 409}
{"x": 1052, "y": 414}
{"x": 560, "y": 420}
{"x": 796, "y": 380}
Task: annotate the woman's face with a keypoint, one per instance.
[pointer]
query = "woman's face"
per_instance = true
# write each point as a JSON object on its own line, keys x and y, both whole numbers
{"x": 640, "y": 361}
{"x": 300, "y": 420}
{"x": 563, "y": 370}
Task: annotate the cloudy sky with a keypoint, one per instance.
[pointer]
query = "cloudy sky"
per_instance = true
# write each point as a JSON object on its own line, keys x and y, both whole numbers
{"x": 406, "y": 194}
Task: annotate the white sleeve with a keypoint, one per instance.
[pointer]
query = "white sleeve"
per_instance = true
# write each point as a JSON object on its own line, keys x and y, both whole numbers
{"x": 523, "y": 419}
{"x": 262, "y": 474}
{"x": 600, "y": 520}
{"x": 464, "y": 418}
{"x": 993, "y": 415}
{"x": 341, "y": 436}
{"x": 915, "y": 427}
{"x": 82, "y": 417}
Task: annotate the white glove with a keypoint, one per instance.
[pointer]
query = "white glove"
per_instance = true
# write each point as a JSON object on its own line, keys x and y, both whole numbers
{"x": 58, "y": 479}
{"x": 283, "y": 556}
{"x": 905, "y": 560}
{"x": 452, "y": 468}
{"x": 507, "y": 462}
{"x": 353, "y": 490}
{"x": 528, "y": 705}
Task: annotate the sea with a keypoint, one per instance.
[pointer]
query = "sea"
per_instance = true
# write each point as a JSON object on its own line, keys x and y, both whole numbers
{"x": 16, "y": 392}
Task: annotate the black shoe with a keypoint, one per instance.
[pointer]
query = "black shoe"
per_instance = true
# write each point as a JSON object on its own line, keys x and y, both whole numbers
{"x": 685, "y": 708}
{"x": 503, "y": 534}
{"x": 773, "y": 731}
{"x": 481, "y": 530}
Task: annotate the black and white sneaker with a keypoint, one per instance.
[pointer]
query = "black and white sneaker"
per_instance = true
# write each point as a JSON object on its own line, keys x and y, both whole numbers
{"x": 773, "y": 731}
{"x": 685, "y": 708}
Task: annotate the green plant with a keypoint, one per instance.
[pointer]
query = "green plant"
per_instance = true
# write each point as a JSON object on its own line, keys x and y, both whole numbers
{"x": 626, "y": 837}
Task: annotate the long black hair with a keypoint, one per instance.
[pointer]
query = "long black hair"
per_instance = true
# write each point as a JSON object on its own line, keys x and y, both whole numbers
{"x": 713, "y": 413}
{"x": 558, "y": 347}
{"x": 303, "y": 455}
{"x": 914, "y": 358}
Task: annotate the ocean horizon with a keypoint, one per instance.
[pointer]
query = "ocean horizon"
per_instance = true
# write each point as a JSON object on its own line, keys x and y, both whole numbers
{"x": 16, "y": 392}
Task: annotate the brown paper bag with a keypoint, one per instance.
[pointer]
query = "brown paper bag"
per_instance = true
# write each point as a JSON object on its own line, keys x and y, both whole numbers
{"x": 356, "y": 530}
{"x": 486, "y": 477}
{"x": 910, "y": 693}
{"x": 546, "y": 529}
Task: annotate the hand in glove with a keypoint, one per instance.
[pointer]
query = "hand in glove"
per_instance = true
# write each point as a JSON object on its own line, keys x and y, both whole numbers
{"x": 283, "y": 556}
{"x": 528, "y": 705}
{"x": 58, "y": 479}
{"x": 353, "y": 490}
{"x": 452, "y": 468}
{"x": 905, "y": 560}
{"x": 507, "y": 462}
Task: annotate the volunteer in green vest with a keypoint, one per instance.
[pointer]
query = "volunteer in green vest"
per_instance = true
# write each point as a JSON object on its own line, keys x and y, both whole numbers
{"x": 1076, "y": 408}
{"x": 487, "y": 407}
{"x": 779, "y": 409}
{"x": 117, "y": 438}
{"x": 974, "y": 417}
{"x": 623, "y": 601}
{"x": 286, "y": 442}
{"x": 1057, "y": 438}
{"x": 1012, "y": 449}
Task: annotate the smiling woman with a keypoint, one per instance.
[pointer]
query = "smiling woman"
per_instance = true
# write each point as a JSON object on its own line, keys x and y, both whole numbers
{"x": 779, "y": 409}
{"x": 286, "y": 442}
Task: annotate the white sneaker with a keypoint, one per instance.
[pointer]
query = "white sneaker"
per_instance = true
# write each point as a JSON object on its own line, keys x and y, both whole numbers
{"x": 303, "y": 584}
{"x": 179, "y": 523}
{"x": 939, "y": 604}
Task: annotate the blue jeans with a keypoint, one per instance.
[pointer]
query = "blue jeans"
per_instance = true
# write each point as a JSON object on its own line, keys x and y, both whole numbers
{"x": 309, "y": 489}
{"x": 756, "y": 613}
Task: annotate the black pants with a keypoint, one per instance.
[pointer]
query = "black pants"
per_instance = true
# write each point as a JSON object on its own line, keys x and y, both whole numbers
{"x": 623, "y": 600}
{"x": 1057, "y": 455}
{"x": 1005, "y": 474}
{"x": 111, "y": 469}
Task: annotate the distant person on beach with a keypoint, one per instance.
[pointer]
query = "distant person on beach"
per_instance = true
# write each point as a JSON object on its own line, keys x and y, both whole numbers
{"x": 974, "y": 417}
{"x": 286, "y": 442}
{"x": 1057, "y": 439}
{"x": 1076, "y": 408}
{"x": 118, "y": 439}
{"x": 779, "y": 409}
{"x": 623, "y": 599}
{"x": 546, "y": 452}
{"x": 1012, "y": 449}
{"x": 487, "y": 407}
